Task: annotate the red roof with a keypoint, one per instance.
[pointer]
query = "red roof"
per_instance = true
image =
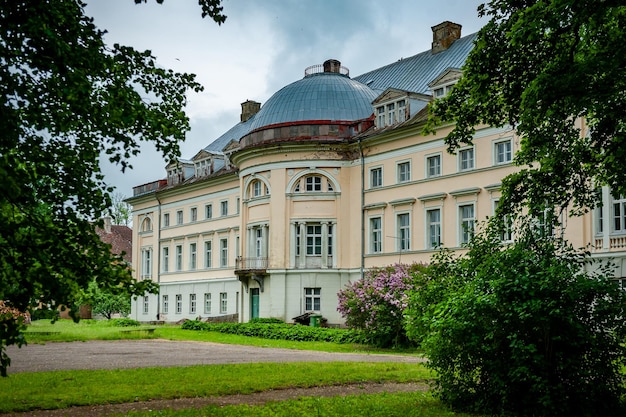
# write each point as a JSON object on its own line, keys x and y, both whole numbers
{"x": 120, "y": 238}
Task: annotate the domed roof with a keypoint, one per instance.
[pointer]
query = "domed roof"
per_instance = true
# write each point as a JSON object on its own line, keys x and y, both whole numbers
{"x": 322, "y": 96}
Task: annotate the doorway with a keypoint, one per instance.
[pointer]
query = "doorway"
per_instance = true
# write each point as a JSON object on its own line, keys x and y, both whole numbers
{"x": 254, "y": 303}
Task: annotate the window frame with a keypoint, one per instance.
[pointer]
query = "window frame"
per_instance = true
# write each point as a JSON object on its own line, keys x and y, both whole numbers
{"x": 208, "y": 211}
{"x": 166, "y": 220}
{"x": 165, "y": 261}
{"x": 403, "y": 231}
{"x": 179, "y": 304}
{"x": 208, "y": 254}
{"x": 223, "y": 303}
{"x": 431, "y": 243}
{"x": 165, "y": 303}
{"x": 376, "y": 234}
{"x": 466, "y": 233}
{"x": 179, "y": 217}
{"x": 462, "y": 161}
{"x": 429, "y": 166}
{"x": 312, "y": 298}
{"x": 178, "y": 257}
{"x": 401, "y": 172}
{"x": 207, "y": 303}
{"x": 193, "y": 214}
{"x": 192, "y": 303}
{"x": 224, "y": 208}
{"x": 193, "y": 256}
{"x": 224, "y": 252}
{"x": 376, "y": 177}
{"x": 507, "y": 154}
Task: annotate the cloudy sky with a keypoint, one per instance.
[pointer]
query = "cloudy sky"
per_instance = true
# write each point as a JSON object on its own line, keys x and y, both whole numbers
{"x": 263, "y": 46}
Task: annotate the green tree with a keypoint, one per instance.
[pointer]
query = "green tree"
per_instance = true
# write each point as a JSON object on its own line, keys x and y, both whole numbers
{"x": 67, "y": 99}
{"x": 540, "y": 66}
{"x": 107, "y": 302}
{"x": 120, "y": 211}
{"x": 523, "y": 329}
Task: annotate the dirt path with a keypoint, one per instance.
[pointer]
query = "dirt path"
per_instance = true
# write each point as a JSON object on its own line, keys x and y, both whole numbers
{"x": 149, "y": 353}
{"x": 118, "y": 354}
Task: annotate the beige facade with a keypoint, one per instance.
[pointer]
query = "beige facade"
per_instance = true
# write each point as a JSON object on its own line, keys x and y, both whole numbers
{"x": 287, "y": 212}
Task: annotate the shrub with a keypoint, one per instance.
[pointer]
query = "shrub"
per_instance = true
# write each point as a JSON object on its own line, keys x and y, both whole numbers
{"x": 375, "y": 304}
{"x": 280, "y": 331}
{"x": 523, "y": 329}
{"x": 124, "y": 322}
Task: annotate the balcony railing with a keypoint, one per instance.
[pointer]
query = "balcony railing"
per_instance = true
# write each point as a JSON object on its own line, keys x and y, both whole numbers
{"x": 250, "y": 264}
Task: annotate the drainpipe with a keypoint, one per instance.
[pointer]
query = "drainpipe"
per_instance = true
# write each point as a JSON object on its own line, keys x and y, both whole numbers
{"x": 362, "y": 207}
{"x": 158, "y": 255}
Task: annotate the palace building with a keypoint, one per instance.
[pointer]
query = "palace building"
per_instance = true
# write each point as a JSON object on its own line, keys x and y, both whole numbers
{"x": 331, "y": 176}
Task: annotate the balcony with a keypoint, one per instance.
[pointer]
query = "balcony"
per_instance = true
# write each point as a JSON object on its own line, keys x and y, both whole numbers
{"x": 250, "y": 265}
{"x": 251, "y": 268}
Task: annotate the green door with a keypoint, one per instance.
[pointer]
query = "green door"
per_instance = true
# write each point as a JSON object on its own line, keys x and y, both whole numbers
{"x": 254, "y": 303}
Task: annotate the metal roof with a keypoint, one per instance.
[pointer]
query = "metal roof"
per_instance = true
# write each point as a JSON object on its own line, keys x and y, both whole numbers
{"x": 414, "y": 73}
{"x": 234, "y": 133}
{"x": 320, "y": 96}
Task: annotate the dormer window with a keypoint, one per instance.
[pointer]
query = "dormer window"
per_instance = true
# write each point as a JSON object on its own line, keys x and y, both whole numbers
{"x": 202, "y": 168}
{"x": 391, "y": 113}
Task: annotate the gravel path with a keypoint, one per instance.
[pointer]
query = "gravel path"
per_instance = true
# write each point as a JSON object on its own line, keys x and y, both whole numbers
{"x": 146, "y": 353}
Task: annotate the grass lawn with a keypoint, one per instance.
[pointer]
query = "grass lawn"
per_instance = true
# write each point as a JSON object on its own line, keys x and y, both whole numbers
{"x": 61, "y": 389}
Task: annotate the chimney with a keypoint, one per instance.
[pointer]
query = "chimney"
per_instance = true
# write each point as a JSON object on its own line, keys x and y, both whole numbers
{"x": 332, "y": 65}
{"x": 444, "y": 34}
{"x": 248, "y": 109}
{"x": 107, "y": 224}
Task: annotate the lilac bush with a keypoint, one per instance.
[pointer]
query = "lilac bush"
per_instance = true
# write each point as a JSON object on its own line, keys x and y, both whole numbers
{"x": 376, "y": 303}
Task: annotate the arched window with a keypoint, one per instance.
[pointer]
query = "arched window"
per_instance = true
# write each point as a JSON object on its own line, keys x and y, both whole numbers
{"x": 313, "y": 183}
{"x": 146, "y": 225}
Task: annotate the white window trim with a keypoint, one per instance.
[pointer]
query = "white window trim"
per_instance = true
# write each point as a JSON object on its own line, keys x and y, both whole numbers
{"x": 409, "y": 228}
{"x": 371, "y": 170}
{"x": 427, "y": 168}
{"x": 459, "y": 161}
{"x": 398, "y": 163}
{"x": 371, "y": 235}
{"x": 427, "y": 243}
{"x": 495, "y": 153}
{"x": 459, "y": 220}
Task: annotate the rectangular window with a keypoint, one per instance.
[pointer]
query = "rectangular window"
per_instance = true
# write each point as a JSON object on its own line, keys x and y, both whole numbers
{"x": 179, "y": 217}
{"x": 506, "y": 234}
{"x": 193, "y": 255}
{"x": 166, "y": 303}
{"x": 391, "y": 112}
{"x": 401, "y": 111}
{"x": 223, "y": 302}
{"x": 503, "y": 152}
{"x": 208, "y": 211}
{"x": 223, "y": 253}
{"x": 466, "y": 159}
{"x": 166, "y": 219}
{"x": 376, "y": 235}
{"x": 179, "y": 257}
{"x": 404, "y": 171}
{"x": 433, "y": 220}
{"x": 466, "y": 222}
{"x": 207, "y": 303}
{"x": 208, "y": 254}
{"x": 404, "y": 232}
{"x": 376, "y": 177}
{"x": 381, "y": 116}
{"x": 224, "y": 208}
{"x": 146, "y": 305}
{"x": 312, "y": 299}
{"x": 439, "y": 92}
{"x": 314, "y": 240}
{"x": 179, "y": 303}
{"x": 313, "y": 183}
{"x": 192, "y": 303}
{"x": 193, "y": 214}
{"x": 619, "y": 215}
{"x": 166, "y": 259}
{"x": 433, "y": 166}
{"x": 146, "y": 263}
